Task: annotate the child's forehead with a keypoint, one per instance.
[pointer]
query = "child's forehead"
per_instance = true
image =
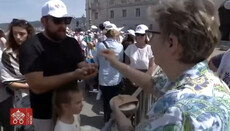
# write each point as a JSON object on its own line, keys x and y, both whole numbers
{"x": 77, "y": 95}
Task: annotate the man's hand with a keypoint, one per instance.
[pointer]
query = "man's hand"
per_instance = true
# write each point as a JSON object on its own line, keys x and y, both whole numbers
{"x": 91, "y": 68}
{"x": 86, "y": 72}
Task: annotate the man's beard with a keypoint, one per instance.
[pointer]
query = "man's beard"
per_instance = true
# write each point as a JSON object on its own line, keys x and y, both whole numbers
{"x": 55, "y": 36}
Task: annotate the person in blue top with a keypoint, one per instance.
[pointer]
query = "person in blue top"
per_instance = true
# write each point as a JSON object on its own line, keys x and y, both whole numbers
{"x": 189, "y": 96}
{"x": 110, "y": 79}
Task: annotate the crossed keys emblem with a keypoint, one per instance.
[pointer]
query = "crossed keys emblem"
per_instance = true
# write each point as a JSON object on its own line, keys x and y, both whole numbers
{"x": 18, "y": 117}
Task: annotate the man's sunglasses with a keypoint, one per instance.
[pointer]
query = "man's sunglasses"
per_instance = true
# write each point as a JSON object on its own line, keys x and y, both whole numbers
{"x": 57, "y": 21}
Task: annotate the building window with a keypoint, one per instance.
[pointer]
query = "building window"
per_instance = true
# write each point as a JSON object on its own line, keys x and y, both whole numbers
{"x": 123, "y": 1}
{"x": 124, "y": 13}
{"x": 111, "y": 14}
{"x": 138, "y": 12}
{"x": 111, "y": 2}
{"x": 96, "y": 15}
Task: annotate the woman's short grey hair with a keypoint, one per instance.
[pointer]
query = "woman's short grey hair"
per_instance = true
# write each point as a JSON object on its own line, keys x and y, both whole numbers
{"x": 194, "y": 22}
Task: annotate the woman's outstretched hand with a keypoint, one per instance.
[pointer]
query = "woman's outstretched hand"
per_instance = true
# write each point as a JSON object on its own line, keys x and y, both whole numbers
{"x": 109, "y": 55}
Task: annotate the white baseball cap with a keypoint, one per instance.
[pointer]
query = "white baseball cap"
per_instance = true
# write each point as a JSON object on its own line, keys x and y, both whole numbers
{"x": 55, "y": 8}
{"x": 111, "y": 27}
{"x": 140, "y": 29}
{"x": 131, "y": 32}
{"x": 106, "y": 23}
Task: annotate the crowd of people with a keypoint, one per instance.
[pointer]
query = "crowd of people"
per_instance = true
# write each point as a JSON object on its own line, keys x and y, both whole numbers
{"x": 41, "y": 71}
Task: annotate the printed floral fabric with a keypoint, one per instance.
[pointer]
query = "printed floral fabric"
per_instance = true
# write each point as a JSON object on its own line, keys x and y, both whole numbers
{"x": 197, "y": 100}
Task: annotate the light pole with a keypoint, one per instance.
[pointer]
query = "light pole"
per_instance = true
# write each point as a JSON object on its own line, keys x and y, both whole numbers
{"x": 90, "y": 15}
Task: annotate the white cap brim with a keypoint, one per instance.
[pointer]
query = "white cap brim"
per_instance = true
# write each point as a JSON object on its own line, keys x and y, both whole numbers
{"x": 139, "y": 32}
{"x": 59, "y": 15}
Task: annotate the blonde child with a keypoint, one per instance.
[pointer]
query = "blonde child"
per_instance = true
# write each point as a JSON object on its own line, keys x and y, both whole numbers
{"x": 67, "y": 105}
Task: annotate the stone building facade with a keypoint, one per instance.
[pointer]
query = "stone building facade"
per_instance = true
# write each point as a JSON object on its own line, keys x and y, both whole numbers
{"x": 127, "y": 13}
{"x": 124, "y": 13}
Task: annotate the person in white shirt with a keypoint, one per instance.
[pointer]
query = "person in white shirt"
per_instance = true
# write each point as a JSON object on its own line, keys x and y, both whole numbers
{"x": 139, "y": 56}
{"x": 67, "y": 105}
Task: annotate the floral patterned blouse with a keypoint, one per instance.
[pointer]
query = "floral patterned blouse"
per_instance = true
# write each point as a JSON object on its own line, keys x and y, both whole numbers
{"x": 198, "y": 100}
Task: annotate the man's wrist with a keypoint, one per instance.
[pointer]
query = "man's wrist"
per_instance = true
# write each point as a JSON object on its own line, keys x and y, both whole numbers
{"x": 75, "y": 75}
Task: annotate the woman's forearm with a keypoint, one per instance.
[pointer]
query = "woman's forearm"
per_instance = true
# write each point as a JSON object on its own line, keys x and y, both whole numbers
{"x": 152, "y": 66}
{"x": 151, "y": 70}
{"x": 141, "y": 79}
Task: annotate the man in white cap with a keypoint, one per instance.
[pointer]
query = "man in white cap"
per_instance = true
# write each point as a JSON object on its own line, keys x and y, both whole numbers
{"x": 51, "y": 59}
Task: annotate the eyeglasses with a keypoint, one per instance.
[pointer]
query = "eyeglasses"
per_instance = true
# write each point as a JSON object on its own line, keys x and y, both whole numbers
{"x": 137, "y": 34}
{"x": 57, "y": 21}
{"x": 18, "y": 21}
{"x": 151, "y": 33}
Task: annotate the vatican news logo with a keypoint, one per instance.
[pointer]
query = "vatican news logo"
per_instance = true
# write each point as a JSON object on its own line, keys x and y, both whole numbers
{"x": 21, "y": 116}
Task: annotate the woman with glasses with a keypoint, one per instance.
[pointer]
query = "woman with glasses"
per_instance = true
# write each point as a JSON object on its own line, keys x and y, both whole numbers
{"x": 139, "y": 56}
{"x": 192, "y": 98}
{"x": 12, "y": 79}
